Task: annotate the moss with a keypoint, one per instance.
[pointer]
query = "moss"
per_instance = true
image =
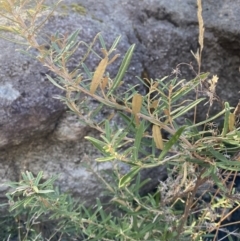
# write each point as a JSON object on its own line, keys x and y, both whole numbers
{"x": 64, "y": 7}
{"x": 95, "y": 18}
{"x": 78, "y": 8}
{"x": 75, "y": 7}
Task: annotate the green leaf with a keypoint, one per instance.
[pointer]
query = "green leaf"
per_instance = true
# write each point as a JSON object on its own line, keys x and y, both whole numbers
{"x": 138, "y": 138}
{"x": 55, "y": 47}
{"x": 54, "y": 82}
{"x": 187, "y": 108}
{"x": 45, "y": 191}
{"x": 105, "y": 159}
{"x": 102, "y": 42}
{"x": 129, "y": 121}
{"x": 114, "y": 45}
{"x": 145, "y": 228}
{"x": 122, "y": 70}
{"x": 87, "y": 71}
{"x": 118, "y": 136}
{"x": 173, "y": 81}
{"x": 72, "y": 40}
{"x": 98, "y": 144}
{"x": 218, "y": 155}
{"x": 17, "y": 205}
{"x": 199, "y": 162}
{"x": 226, "y": 119}
{"x": 208, "y": 171}
{"x": 38, "y": 178}
{"x": 181, "y": 92}
{"x": 218, "y": 181}
{"x": 126, "y": 179}
{"x": 107, "y": 130}
{"x": 232, "y": 142}
{"x": 163, "y": 85}
{"x": 210, "y": 119}
{"x": 171, "y": 142}
{"x": 30, "y": 176}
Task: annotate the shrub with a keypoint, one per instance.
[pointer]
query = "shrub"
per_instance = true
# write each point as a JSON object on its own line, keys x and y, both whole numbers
{"x": 201, "y": 157}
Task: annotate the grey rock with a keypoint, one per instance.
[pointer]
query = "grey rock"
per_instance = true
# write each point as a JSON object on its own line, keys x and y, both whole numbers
{"x": 169, "y": 31}
{"x": 27, "y": 109}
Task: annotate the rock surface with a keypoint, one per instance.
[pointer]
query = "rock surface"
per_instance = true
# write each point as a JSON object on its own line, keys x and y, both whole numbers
{"x": 36, "y": 132}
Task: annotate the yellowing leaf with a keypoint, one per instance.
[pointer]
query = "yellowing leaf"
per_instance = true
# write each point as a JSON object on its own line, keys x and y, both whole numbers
{"x": 154, "y": 104}
{"x": 104, "y": 82}
{"x": 231, "y": 122}
{"x": 136, "y": 103}
{"x": 7, "y": 28}
{"x": 98, "y": 74}
{"x": 113, "y": 59}
{"x": 4, "y": 5}
{"x": 167, "y": 113}
{"x": 136, "y": 119}
{"x": 78, "y": 79}
{"x": 136, "y": 106}
{"x": 157, "y": 136}
{"x": 155, "y": 85}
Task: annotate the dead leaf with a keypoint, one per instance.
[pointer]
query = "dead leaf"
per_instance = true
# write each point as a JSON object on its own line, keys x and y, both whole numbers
{"x": 104, "y": 82}
{"x": 136, "y": 106}
{"x": 98, "y": 74}
{"x": 157, "y": 136}
{"x": 231, "y": 122}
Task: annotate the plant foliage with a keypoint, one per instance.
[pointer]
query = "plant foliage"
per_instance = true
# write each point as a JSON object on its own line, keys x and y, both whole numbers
{"x": 202, "y": 157}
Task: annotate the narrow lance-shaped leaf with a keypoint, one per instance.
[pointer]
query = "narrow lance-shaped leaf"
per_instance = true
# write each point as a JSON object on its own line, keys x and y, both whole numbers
{"x": 218, "y": 181}
{"x": 105, "y": 159}
{"x": 122, "y": 70}
{"x": 113, "y": 59}
{"x": 219, "y": 156}
{"x": 183, "y": 91}
{"x": 102, "y": 41}
{"x": 154, "y": 104}
{"x": 157, "y": 136}
{"x": 54, "y": 82}
{"x": 208, "y": 172}
{"x": 107, "y": 130}
{"x": 187, "y": 108}
{"x": 114, "y": 45}
{"x": 138, "y": 138}
{"x": 169, "y": 118}
{"x": 104, "y": 83}
{"x": 226, "y": 119}
{"x": 87, "y": 71}
{"x": 127, "y": 121}
{"x": 126, "y": 179}
{"x": 231, "y": 122}
{"x": 97, "y": 143}
{"x": 171, "y": 142}
{"x": 98, "y": 74}
{"x": 208, "y": 120}
{"x": 136, "y": 106}
{"x": 38, "y": 178}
